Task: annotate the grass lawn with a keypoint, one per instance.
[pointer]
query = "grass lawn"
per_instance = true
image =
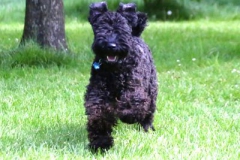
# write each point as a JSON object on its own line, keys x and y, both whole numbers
{"x": 198, "y": 107}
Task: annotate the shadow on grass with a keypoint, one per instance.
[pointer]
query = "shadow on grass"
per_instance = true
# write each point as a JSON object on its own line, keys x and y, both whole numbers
{"x": 63, "y": 137}
{"x": 66, "y": 138}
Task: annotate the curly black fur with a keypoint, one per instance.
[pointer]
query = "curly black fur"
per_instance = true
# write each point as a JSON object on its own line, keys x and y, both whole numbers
{"x": 124, "y": 83}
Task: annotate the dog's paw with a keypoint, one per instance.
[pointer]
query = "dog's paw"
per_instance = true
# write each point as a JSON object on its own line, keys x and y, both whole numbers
{"x": 147, "y": 126}
{"x": 101, "y": 144}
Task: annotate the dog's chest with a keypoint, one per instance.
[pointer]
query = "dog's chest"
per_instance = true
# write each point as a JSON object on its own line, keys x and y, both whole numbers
{"x": 115, "y": 81}
{"x": 115, "y": 84}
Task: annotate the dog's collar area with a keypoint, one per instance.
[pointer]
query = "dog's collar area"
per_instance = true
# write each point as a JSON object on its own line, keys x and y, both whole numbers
{"x": 109, "y": 59}
{"x": 96, "y": 65}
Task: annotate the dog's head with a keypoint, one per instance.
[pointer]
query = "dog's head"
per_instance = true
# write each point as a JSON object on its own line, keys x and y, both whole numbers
{"x": 112, "y": 33}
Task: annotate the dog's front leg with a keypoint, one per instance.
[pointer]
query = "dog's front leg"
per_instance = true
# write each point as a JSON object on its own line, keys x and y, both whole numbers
{"x": 99, "y": 127}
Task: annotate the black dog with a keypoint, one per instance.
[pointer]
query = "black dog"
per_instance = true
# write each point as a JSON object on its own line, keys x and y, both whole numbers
{"x": 123, "y": 82}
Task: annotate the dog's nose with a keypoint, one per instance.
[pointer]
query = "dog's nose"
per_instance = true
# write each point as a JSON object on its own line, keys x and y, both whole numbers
{"x": 112, "y": 45}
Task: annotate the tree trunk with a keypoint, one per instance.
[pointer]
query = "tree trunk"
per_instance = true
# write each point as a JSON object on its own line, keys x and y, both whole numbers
{"x": 44, "y": 23}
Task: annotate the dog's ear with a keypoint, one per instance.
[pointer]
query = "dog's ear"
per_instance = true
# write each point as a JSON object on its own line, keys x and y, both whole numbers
{"x": 96, "y": 9}
{"x": 128, "y": 11}
{"x": 141, "y": 24}
{"x": 137, "y": 20}
{"x": 129, "y": 7}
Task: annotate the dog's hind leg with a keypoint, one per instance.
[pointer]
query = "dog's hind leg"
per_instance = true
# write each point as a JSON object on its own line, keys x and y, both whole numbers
{"x": 146, "y": 123}
{"x": 136, "y": 115}
{"x": 134, "y": 107}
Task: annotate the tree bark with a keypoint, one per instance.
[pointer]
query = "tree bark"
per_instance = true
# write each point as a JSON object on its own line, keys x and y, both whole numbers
{"x": 44, "y": 23}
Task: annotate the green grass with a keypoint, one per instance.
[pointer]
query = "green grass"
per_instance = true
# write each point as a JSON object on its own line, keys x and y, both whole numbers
{"x": 197, "y": 117}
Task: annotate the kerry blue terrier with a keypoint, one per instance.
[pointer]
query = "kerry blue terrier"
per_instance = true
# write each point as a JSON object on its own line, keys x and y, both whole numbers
{"x": 123, "y": 82}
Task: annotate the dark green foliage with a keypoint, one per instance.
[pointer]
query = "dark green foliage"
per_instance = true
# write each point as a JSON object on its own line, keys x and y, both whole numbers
{"x": 222, "y": 2}
{"x": 166, "y": 10}
{"x": 13, "y": 11}
{"x": 192, "y": 9}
